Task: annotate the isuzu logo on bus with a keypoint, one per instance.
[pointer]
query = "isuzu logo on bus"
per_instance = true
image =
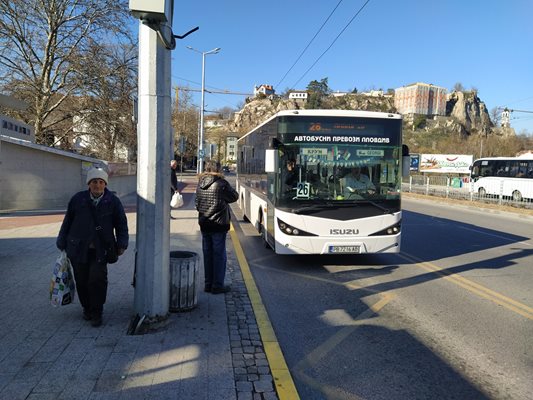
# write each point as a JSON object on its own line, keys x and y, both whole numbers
{"x": 344, "y": 231}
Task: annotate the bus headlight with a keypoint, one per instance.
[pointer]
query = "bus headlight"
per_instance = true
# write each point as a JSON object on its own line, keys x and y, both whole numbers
{"x": 291, "y": 230}
{"x": 391, "y": 230}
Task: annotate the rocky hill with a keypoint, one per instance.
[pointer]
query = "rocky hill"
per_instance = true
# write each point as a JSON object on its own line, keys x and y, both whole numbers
{"x": 466, "y": 114}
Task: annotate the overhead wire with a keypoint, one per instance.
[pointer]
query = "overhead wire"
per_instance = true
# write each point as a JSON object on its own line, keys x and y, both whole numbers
{"x": 332, "y": 43}
{"x": 309, "y": 44}
{"x": 233, "y": 104}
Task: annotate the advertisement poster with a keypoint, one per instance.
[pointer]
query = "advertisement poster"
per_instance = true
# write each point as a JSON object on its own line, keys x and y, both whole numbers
{"x": 446, "y": 163}
{"x": 415, "y": 162}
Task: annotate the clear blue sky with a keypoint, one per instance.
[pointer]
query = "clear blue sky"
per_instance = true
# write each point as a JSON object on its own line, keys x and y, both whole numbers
{"x": 391, "y": 43}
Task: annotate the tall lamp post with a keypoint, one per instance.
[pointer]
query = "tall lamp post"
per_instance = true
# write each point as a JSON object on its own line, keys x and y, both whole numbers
{"x": 201, "y": 153}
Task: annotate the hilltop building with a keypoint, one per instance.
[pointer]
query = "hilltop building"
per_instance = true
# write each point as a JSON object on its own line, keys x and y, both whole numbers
{"x": 421, "y": 98}
{"x": 339, "y": 94}
{"x": 267, "y": 90}
{"x": 506, "y": 118}
{"x": 298, "y": 95}
{"x": 373, "y": 93}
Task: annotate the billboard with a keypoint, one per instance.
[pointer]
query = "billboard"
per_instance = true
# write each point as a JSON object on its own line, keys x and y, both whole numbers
{"x": 446, "y": 163}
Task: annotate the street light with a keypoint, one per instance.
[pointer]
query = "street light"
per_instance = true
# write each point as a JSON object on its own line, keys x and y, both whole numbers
{"x": 200, "y": 164}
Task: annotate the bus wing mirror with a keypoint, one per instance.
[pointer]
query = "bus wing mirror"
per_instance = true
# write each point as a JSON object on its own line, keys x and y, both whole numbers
{"x": 271, "y": 160}
{"x": 406, "y": 161}
{"x": 275, "y": 143}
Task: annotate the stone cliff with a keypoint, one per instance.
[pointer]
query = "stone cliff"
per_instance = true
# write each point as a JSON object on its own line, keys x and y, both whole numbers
{"x": 469, "y": 111}
{"x": 466, "y": 114}
{"x": 257, "y": 111}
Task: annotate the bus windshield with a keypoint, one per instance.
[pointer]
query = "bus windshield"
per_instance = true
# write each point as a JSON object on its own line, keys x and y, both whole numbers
{"x": 318, "y": 173}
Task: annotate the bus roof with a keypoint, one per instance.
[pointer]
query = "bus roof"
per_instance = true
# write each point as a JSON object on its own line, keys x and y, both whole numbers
{"x": 338, "y": 113}
{"x": 520, "y": 157}
{"x": 328, "y": 113}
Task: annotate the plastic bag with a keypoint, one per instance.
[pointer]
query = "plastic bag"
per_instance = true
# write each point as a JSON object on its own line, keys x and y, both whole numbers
{"x": 177, "y": 200}
{"x": 62, "y": 285}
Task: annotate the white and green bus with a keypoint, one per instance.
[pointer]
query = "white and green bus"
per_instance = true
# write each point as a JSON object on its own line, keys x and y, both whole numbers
{"x": 505, "y": 177}
{"x": 294, "y": 182}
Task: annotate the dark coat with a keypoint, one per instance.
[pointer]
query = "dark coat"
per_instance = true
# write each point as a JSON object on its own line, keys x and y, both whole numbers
{"x": 78, "y": 229}
{"x": 213, "y": 195}
{"x": 173, "y": 180}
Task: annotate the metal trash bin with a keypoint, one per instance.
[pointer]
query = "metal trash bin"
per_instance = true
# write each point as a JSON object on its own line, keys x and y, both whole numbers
{"x": 183, "y": 280}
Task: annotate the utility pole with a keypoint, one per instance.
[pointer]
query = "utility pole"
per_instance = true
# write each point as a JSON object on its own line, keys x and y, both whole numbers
{"x": 201, "y": 150}
{"x": 152, "y": 257}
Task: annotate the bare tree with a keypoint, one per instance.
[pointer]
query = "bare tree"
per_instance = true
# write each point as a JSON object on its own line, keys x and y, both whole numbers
{"x": 495, "y": 116}
{"x": 458, "y": 87}
{"x": 185, "y": 122}
{"x": 104, "y": 117}
{"x": 40, "y": 43}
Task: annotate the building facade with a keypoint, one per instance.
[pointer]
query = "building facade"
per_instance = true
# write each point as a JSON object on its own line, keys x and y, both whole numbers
{"x": 16, "y": 129}
{"x": 298, "y": 95}
{"x": 420, "y": 98}
{"x": 264, "y": 89}
{"x": 231, "y": 149}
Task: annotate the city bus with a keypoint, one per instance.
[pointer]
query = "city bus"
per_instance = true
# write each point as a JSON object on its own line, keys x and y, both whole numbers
{"x": 295, "y": 183}
{"x": 507, "y": 177}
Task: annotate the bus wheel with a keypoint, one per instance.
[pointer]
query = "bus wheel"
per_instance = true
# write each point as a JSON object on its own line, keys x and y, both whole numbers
{"x": 263, "y": 231}
{"x": 517, "y": 196}
{"x": 243, "y": 208}
{"x": 265, "y": 241}
{"x": 482, "y": 192}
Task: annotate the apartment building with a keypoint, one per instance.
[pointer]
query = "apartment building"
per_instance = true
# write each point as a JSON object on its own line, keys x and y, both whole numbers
{"x": 420, "y": 98}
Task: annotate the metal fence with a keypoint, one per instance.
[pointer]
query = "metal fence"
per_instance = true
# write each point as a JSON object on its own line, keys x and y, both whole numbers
{"x": 457, "y": 188}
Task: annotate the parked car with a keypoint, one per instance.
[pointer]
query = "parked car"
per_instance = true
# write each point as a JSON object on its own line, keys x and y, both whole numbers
{"x": 226, "y": 169}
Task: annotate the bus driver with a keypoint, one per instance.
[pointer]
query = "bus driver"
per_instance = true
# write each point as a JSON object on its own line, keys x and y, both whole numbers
{"x": 356, "y": 182}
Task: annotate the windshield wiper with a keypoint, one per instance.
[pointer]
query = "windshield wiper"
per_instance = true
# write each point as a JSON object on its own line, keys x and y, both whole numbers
{"x": 386, "y": 210}
{"x": 316, "y": 207}
{"x": 336, "y": 205}
{"x": 325, "y": 206}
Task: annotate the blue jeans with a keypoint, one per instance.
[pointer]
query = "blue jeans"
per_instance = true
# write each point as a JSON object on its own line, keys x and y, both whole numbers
{"x": 214, "y": 250}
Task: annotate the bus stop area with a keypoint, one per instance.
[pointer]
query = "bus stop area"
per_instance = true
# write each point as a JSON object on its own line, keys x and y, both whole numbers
{"x": 213, "y": 351}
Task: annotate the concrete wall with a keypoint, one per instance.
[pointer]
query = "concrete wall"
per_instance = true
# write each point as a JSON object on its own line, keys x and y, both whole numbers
{"x": 34, "y": 177}
{"x": 123, "y": 185}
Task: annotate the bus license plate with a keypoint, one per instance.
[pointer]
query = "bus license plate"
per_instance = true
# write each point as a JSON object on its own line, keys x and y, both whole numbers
{"x": 344, "y": 249}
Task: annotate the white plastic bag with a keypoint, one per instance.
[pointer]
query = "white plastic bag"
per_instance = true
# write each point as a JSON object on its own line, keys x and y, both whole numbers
{"x": 177, "y": 200}
{"x": 62, "y": 285}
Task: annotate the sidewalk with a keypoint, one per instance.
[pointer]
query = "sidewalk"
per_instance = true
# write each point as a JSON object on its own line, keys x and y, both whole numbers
{"x": 211, "y": 352}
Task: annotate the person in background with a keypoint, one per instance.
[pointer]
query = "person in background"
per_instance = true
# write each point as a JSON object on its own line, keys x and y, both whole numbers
{"x": 213, "y": 196}
{"x": 291, "y": 176}
{"x": 79, "y": 237}
{"x": 173, "y": 181}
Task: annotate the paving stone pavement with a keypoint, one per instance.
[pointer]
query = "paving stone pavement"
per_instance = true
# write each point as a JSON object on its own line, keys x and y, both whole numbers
{"x": 211, "y": 352}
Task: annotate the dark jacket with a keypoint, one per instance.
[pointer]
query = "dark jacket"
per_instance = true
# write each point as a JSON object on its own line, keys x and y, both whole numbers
{"x": 78, "y": 229}
{"x": 213, "y": 195}
{"x": 173, "y": 180}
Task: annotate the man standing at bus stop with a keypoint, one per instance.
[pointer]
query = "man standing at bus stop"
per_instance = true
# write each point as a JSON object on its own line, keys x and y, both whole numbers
{"x": 213, "y": 195}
